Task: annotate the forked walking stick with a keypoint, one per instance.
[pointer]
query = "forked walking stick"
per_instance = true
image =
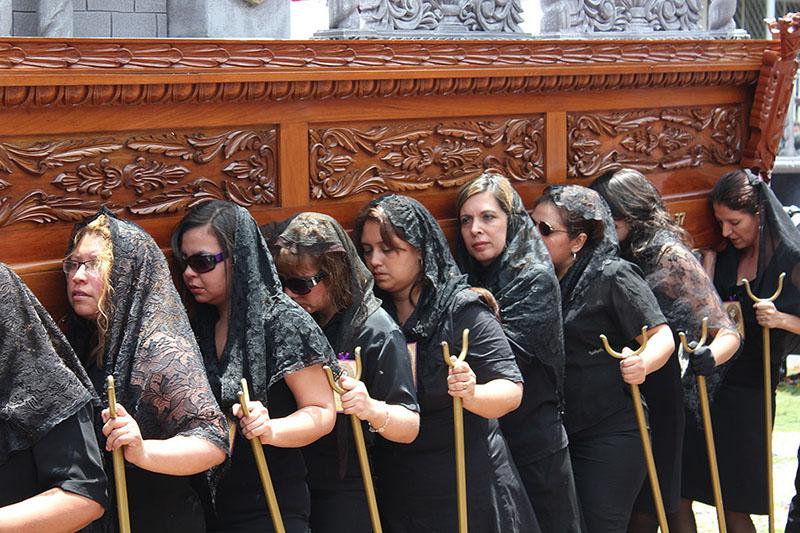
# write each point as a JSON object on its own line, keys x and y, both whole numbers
{"x": 119, "y": 465}
{"x": 261, "y": 465}
{"x": 458, "y": 425}
{"x": 643, "y": 433}
{"x": 702, "y": 392}
{"x": 361, "y": 447}
{"x": 768, "y": 394}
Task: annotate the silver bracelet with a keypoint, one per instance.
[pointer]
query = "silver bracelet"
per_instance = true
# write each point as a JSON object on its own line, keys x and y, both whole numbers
{"x": 383, "y": 427}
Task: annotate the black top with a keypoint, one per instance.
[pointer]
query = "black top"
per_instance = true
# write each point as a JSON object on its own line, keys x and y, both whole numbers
{"x": 387, "y": 375}
{"x": 44, "y": 466}
{"x": 617, "y": 303}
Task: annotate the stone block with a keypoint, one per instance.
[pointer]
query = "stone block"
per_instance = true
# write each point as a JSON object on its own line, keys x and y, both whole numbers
{"x": 151, "y": 6}
{"x": 55, "y": 18}
{"x": 92, "y": 24}
{"x": 79, "y": 5}
{"x": 25, "y": 5}
{"x": 6, "y": 18}
{"x": 110, "y": 5}
{"x": 133, "y": 25}
{"x": 161, "y": 23}
{"x": 25, "y": 24}
{"x": 228, "y": 19}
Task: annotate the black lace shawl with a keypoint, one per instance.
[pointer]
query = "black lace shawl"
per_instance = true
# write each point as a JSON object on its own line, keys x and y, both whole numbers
{"x": 442, "y": 278}
{"x": 150, "y": 347}
{"x": 685, "y": 294}
{"x": 42, "y": 383}
{"x": 524, "y": 283}
{"x": 318, "y": 234}
{"x": 591, "y": 259}
{"x": 269, "y": 335}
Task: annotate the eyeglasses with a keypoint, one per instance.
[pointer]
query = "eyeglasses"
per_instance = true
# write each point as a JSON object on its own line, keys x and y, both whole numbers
{"x": 70, "y": 267}
{"x": 203, "y": 262}
{"x": 546, "y": 229}
{"x": 302, "y": 286}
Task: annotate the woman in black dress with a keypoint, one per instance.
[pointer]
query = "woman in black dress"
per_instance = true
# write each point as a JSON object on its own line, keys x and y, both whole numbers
{"x": 601, "y": 294}
{"x": 320, "y": 270}
{"x": 761, "y": 243}
{"x": 247, "y": 327}
{"x": 650, "y": 239}
{"x": 127, "y": 320}
{"x": 424, "y": 291}
{"x": 45, "y": 408}
{"x": 500, "y": 250}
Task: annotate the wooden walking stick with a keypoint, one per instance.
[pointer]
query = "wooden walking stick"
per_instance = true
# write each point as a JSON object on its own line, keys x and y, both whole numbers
{"x": 458, "y": 425}
{"x": 643, "y": 433}
{"x": 261, "y": 465}
{"x": 702, "y": 392}
{"x": 119, "y": 466}
{"x": 767, "y": 394}
{"x": 361, "y": 447}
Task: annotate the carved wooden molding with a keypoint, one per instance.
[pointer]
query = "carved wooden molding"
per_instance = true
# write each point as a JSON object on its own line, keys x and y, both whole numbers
{"x": 771, "y": 101}
{"x": 346, "y": 161}
{"x": 653, "y": 139}
{"x": 140, "y": 174}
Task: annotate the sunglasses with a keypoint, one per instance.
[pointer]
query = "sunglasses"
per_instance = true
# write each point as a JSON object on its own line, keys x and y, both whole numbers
{"x": 203, "y": 262}
{"x": 70, "y": 267}
{"x": 546, "y": 229}
{"x": 302, "y": 286}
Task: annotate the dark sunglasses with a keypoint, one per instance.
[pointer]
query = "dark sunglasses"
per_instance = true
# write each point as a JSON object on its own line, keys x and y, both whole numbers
{"x": 546, "y": 229}
{"x": 202, "y": 262}
{"x": 302, "y": 286}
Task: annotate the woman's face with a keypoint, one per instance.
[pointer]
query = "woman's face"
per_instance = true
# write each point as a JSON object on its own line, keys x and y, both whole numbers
{"x": 317, "y": 302}
{"x": 85, "y": 285}
{"x": 208, "y": 287}
{"x": 484, "y": 225}
{"x": 558, "y": 242}
{"x": 739, "y": 227}
{"x": 394, "y": 268}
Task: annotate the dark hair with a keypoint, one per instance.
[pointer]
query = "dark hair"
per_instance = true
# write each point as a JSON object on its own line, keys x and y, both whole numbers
{"x": 218, "y": 215}
{"x": 574, "y": 221}
{"x": 335, "y": 266}
{"x": 634, "y": 199}
{"x": 736, "y": 190}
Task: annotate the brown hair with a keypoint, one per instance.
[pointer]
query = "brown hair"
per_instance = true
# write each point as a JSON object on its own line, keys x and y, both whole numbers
{"x": 101, "y": 228}
{"x": 736, "y": 190}
{"x": 497, "y": 185}
{"x": 334, "y": 265}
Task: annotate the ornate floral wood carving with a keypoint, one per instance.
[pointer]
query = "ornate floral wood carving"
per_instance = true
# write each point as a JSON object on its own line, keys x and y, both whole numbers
{"x": 141, "y": 174}
{"x": 653, "y": 139}
{"x": 772, "y": 96}
{"x": 345, "y": 161}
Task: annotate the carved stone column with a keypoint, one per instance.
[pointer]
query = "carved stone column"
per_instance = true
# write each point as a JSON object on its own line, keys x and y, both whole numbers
{"x": 229, "y": 18}
{"x": 443, "y": 19}
{"x": 5, "y": 18}
{"x": 55, "y": 18}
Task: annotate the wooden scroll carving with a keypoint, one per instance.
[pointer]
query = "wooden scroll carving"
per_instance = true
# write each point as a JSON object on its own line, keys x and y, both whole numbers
{"x": 346, "y": 161}
{"x": 772, "y": 96}
{"x": 69, "y": 178}
{"x": 653, "y": 139}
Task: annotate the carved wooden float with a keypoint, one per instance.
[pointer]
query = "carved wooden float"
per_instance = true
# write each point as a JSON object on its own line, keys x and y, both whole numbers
{"x": 153, "y": 127}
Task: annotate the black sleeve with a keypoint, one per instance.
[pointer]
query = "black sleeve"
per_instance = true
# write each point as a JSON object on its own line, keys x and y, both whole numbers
{"x": 489, "y": 354}
{"x": 387, "y": 365}
{"x": 632, "y": 301}
{"x": 69, "y": 458}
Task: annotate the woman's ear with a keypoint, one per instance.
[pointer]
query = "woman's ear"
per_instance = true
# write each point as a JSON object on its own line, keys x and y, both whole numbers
{"x": 576, "y": 244}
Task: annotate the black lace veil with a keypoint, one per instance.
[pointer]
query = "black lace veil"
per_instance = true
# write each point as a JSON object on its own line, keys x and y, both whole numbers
{"x": 149, "y": 346}
{"x": 523, "y": 281}
{"x": 318, "y": 234}
{"x": 42, "y": 382}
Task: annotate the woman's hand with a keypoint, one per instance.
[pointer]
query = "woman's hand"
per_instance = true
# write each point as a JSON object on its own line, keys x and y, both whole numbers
{"x": 257, "y": 424}
{"x": 768, "y": 315}
{"x": 123, "y": 431}
{"x": 460, "y": 380}
{"x": 356, "y": 401}
{"x": 633, "y": 368}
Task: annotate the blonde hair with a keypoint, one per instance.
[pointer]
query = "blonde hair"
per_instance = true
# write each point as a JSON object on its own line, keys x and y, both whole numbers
{"x": 499, "y": 187}
{"x": 102, "y": 229}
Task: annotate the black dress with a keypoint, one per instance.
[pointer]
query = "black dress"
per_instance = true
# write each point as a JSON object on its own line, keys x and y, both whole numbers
{"x": 737, "y": 410}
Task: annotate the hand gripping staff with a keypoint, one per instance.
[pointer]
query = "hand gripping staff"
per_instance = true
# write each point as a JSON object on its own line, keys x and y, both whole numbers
{"x": 458, "y": 423}
{"x": 119, "y": 465}
{"x": 768, "y": 395}
{"x": 702, "y": 391}
{"x": 361, "y": 447}
{"x": 643, "y": 433}
{"x": 261, "y": 464}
